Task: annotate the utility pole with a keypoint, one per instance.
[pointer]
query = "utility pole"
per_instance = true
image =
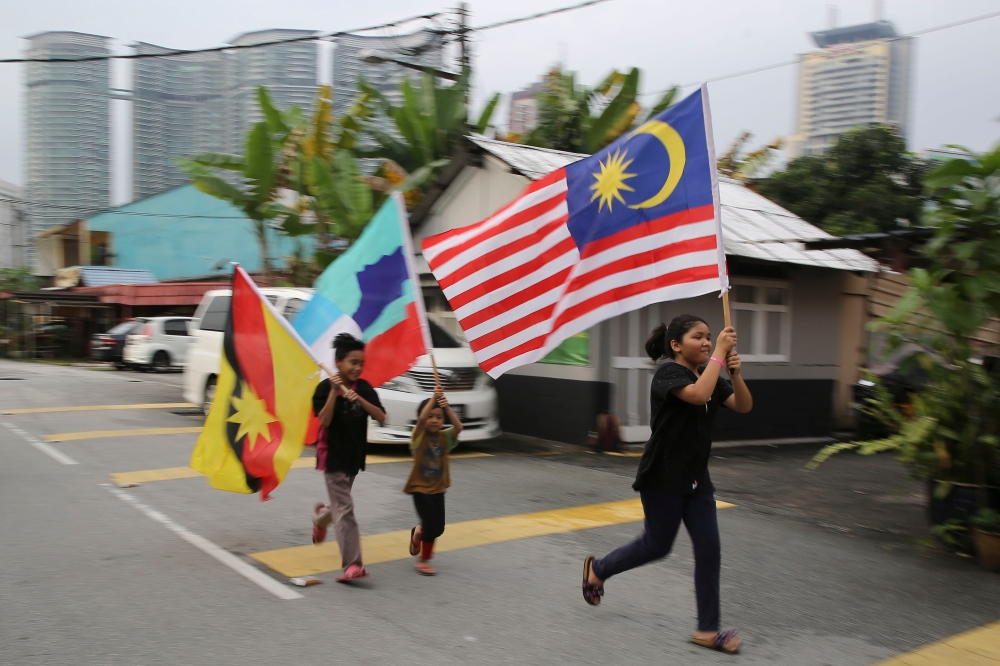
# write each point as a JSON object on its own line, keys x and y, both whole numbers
{"x": 463, "y": 28}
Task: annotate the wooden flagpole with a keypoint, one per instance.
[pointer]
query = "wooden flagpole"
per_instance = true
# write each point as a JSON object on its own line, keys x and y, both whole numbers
{"x": 726, "y": 315}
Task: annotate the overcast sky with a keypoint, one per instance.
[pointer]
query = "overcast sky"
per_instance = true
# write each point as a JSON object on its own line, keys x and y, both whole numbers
{"x": 956, "y": 97}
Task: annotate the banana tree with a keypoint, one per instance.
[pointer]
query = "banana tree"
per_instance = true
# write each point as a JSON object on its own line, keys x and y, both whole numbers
{"x": 584, "y": 120}
{"x": 428, "y": 125}
{"x": 285, "y": 177}
{"x": 253, "y": 188}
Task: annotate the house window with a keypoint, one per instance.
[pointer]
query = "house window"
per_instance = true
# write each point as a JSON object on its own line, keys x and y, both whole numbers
{"x": 762, "y": 315}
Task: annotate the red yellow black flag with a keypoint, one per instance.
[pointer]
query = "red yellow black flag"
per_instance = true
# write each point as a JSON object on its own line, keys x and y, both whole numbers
{"x": 261, "y": 414}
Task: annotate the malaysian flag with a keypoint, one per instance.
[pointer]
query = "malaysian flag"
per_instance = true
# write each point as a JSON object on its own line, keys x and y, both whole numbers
{"x": 635, "y": 223}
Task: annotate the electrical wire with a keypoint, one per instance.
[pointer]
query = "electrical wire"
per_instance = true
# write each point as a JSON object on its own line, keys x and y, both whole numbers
{"x": 309, "y": 38}
{"x": 787, "y": 63}
{"x": 532, "y": 17}
{"x": 113, "y": 211}
{"x": 234, "y": 47}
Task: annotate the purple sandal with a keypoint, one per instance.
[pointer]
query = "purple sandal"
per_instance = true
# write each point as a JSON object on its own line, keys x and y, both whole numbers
{"x": 720, "y": 641}
{"x": 591, "y": 593}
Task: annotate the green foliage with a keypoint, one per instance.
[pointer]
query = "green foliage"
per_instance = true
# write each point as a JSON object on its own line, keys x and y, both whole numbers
{"x": 745, "y": 166}
{"x": 429, "y": 123}
{"x": 952, "y": 533}
{"x": 296, "y": 174}
{"x": 18, "y": 279}
{"x": 987, "y": 520}
{"x": 865, "y": 183}
{"x": 953, "y": 432}
{"x": 584, "y": 120}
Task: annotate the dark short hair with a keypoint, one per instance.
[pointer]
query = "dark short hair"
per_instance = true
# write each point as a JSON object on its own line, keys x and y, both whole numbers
{"x": 344, "y": 344}
{"x": 658, "y": 344}
{"x": 420, "y": 409}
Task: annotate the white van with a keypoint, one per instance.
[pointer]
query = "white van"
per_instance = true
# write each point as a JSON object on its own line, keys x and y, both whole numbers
{"x": 470, "y": 390}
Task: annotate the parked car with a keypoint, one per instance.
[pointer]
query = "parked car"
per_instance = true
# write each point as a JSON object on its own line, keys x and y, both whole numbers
{"x": 52, "y": 338}
{"x": 160, "y": 343}
{"x": 470, "y": 390}
{"x": 108, "y": 347}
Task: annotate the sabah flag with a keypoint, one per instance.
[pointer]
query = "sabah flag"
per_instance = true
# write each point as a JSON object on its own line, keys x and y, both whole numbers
{"x": 371, "y": 291}
{"x": 635, "y": 223}
{"x": 258, "y": 421}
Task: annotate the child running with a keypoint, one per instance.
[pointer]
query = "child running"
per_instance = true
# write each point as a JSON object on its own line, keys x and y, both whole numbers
{"x": 673, "y": 480}
{"x": 343, "y": 404}
{"x": 430, "y": 476}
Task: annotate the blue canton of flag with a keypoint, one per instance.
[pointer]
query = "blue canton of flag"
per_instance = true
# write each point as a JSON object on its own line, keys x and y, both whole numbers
{"x": 635, "y": 223}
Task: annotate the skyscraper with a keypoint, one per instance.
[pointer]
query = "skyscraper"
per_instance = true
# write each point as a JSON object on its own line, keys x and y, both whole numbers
{"x": 178, "y": 110}
{"x": 524, "y": 109}
{"x": 67, "y": 114}
{"x": 290, "y": 72}
{"x": 424, "y": 48}
{"x": 12, "y": 249}
{"x": 859, "y": 75}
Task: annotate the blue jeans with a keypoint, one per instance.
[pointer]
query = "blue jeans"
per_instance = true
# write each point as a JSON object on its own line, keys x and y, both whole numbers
{"x": 664, "y": 513}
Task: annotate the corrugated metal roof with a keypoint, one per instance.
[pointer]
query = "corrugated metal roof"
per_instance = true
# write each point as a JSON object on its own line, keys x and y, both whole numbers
{"x": 752, "y": 226}
{"x": 528, "y": 161}
{"x": 100, "y": 276}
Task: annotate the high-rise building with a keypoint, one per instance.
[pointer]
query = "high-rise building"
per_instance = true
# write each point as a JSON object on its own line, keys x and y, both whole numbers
{"x": 290, "y": 72}
{"x": 859, "y": 75}
{"x": 424, "y": 48}
{"x": 178, "y": 110}
{"x": 524, "y": 109}
{"x": 67, "y": 114}
{"x": 12, "y": 249}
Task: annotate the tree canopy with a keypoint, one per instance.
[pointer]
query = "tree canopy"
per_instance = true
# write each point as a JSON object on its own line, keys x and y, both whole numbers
{"x": 867, "y": 182}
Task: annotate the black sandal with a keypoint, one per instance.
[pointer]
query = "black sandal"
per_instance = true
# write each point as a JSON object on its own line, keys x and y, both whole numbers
{"x": 720, "y": 641}
{"x": 591, "y": 593}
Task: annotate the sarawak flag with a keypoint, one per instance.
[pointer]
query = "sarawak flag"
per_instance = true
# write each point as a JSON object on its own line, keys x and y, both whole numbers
{"x": 372, "y": 292}
{"x": 259, "y": 419}
{"x": 635, "y": 223}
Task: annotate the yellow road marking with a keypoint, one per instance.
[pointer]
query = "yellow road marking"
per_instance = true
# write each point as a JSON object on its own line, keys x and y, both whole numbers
{"x": 973, "y": 648}
{"x": 625, "y": 454}
{"x": 390, "y": 546}
{"x": 98, "y": 408}
{"x": 101, "y": 434}
{"x": 172, "y": 473}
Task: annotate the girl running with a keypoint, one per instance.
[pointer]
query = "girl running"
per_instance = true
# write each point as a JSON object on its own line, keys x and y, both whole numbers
{"x": 431, "y": 475}
{"x": 343, "y": 404}
{"x": 673, "y": 480}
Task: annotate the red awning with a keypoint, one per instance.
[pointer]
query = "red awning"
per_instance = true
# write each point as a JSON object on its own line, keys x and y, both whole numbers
{"x": 164, "y": 293}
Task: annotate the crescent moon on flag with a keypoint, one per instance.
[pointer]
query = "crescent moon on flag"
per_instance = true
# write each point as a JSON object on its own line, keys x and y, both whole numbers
{"x": 674, "y": 144}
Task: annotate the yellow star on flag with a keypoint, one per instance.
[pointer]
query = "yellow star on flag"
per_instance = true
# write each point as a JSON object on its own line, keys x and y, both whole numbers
{"x": 611, "y": 180}
{"x": 252, "y": 415}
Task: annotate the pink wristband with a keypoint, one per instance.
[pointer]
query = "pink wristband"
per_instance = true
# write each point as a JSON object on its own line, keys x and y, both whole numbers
{"x": 721, "y": 364}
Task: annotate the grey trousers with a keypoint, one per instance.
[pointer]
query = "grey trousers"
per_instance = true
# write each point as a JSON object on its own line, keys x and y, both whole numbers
{"x": 340, "y": 512}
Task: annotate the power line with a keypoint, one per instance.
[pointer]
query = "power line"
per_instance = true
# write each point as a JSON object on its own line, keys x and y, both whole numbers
{"x": 235, "y": 47}
{"x": 39, "y": 204}
{"x": 309, "y": 38}
{"x": 532, "y": 17}
{"x": 778, "y": 65}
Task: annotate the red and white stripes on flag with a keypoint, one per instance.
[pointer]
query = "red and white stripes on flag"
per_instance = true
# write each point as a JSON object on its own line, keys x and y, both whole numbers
{"x": 519, "y": 285}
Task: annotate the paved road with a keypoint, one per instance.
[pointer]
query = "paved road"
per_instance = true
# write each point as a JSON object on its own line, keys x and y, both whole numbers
{"x": 818, "y": 568}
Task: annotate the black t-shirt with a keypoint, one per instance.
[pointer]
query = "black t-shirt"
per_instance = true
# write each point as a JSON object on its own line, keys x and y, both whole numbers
{"x": 676, "y": 456}
{"x": 347, "y": 434}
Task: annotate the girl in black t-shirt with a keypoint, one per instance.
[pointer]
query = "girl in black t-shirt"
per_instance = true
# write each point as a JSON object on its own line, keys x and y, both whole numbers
{"x": 673, "y": 480}
{"x": 343, "y": 404}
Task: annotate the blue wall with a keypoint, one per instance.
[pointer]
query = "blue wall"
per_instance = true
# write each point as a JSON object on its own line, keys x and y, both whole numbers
{"x": 180, "y": 235}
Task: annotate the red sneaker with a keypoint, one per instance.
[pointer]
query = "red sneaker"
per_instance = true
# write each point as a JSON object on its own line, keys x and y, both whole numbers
{"x": 353, "y": 572}
{"x": 319, "y": 533}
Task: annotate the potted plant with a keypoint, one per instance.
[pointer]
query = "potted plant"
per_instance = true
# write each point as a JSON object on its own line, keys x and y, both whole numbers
{"x": 950, "y": 435}
{"x": 986, "y": 537}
